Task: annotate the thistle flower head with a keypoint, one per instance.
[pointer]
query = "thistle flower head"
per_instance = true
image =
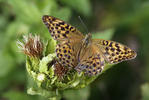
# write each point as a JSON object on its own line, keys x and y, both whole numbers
{"x": 31, "y": 46}
{"x": 47, "y": 73}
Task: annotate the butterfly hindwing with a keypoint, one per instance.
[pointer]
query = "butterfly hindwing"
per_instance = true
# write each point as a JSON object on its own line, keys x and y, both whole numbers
{"x": 91, "y": 60}
{"x": 114, "y": 52}
{"x": 92, "y": 65}
{"x": 59, "y": 29}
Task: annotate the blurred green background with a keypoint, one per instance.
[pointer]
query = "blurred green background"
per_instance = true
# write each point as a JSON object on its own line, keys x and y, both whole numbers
{"x": 129, "y": 20}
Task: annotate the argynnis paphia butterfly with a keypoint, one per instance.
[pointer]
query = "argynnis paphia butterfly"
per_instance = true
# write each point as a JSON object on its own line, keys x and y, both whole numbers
{"x": 82, "y": 52}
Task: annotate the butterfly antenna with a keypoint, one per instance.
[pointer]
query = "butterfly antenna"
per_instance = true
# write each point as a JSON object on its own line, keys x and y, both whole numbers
{"x": 85, "y": 27}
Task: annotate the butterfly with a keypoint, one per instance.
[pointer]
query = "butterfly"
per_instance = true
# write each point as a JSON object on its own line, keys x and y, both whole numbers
{"x": 82, "y": 53}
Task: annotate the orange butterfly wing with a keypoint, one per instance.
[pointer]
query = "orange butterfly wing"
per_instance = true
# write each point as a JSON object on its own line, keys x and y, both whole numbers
{"x": 90, "y": 61}
{"x": 69, "y": 39}
{"x": 60, "y": 30}
{"x": 114, "y": 52}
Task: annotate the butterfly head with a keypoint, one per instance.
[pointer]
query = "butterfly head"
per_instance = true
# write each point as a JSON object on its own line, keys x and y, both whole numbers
{"x": 87, "y": 39}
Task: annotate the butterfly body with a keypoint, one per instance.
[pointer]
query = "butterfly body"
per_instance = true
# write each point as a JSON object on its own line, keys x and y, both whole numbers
{"x": 83, "y": 53}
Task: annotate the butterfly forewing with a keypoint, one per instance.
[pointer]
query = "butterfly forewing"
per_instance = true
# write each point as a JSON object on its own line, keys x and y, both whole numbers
{"x": 114, "y": 52}
{"x": 60, "y": 30}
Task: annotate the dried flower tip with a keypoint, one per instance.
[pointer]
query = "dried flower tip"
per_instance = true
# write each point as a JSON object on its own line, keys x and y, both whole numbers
{"x": 59, "y": 70}
{"x": 31, "y": 46}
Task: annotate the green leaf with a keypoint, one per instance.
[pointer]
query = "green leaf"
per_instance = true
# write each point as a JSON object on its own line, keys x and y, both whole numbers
{"x": 16, "y": 76}
{"x": 4, "y": 65}
{"x": 107, "y": 34}
{"x": 145, "y": 91}
{"x": 26, "y": 10}
{"x": 16, "y": 95}
{"x": 46, "y": 6}
{"x": 63, "y": 13}
{"x": 81, "y": 6}
{"x": 50, "y": 47}
{"x": 81, "y": 94}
